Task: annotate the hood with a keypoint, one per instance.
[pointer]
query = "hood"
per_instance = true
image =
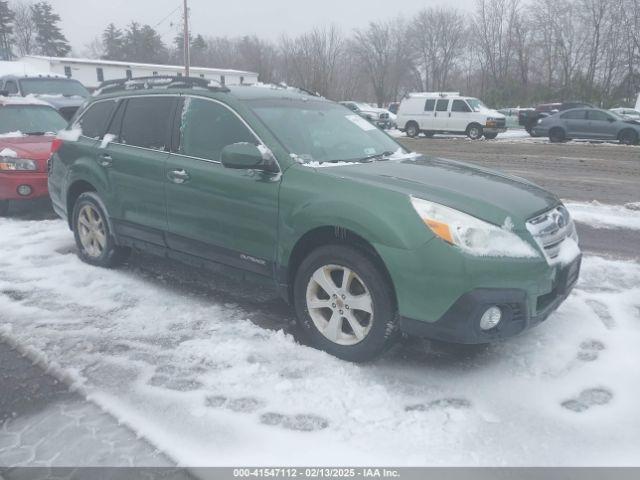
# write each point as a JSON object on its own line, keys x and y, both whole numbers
{"x": 31, "y": 147}
{"x": 485, "y": 194}
{"x": 492, "y": 113}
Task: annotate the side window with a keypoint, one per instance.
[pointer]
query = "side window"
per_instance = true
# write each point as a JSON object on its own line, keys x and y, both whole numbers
{"x": 442, "y": 106}
{"x": 93, "y": 121}
{"x": 460, "y": 106}
{"x": 430, "y": 105}
{"x": 207, "y": 127}
{"x": 116, "y": 122}
{"x": 147, "y": 121}
{"x": 599, "y": 116}
{"x": 11, "y": 87}
{"x": 574, "y": 115}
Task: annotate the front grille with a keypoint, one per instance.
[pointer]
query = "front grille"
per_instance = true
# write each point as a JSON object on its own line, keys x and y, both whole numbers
{"x": 501, "y": 123}
{"x": 384, "y": 116}
{"x": 551, "y": 229}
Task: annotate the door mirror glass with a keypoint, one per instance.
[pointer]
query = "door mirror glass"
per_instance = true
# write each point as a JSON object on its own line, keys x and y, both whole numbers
{"x": 245, "y": 156}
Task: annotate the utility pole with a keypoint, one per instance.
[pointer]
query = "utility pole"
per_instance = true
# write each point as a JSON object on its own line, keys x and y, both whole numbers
{"x": 187, "y": 43}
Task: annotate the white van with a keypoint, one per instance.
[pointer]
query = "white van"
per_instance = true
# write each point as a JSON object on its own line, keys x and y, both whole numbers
{"x": 432, "y": 113}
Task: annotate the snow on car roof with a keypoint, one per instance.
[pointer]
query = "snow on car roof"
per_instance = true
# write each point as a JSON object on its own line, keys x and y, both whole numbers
{"x": 28, "y": 100}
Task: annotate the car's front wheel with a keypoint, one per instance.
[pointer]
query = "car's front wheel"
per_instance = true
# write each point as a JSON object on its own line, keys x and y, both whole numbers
{"x": 93, "y": 236}
{"x": 4, "y": 207}
{"x": 345, "y": 303}
{"x": 475, "y": 131}
{"x": 628, "y": 137}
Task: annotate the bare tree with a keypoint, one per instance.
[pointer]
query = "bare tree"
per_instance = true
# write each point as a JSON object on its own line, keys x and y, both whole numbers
{"x": 24, "y": 27}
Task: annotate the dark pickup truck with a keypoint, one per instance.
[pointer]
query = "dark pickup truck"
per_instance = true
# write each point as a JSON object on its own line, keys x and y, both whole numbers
{"x": 529, "y": 118}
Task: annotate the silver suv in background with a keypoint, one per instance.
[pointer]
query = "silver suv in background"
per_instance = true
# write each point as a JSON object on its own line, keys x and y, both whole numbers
{"x": 378, "y": 116}
{"x": 588, "y": 124}
{"x": 64, "y": 94}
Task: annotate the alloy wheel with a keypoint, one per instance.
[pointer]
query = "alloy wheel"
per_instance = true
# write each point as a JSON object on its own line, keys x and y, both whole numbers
{"x": 92, "y": 232}
{"x": 340, "y": 305}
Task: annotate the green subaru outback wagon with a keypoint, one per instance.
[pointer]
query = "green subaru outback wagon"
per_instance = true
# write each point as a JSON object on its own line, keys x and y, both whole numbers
{"x": 364, "y": 238}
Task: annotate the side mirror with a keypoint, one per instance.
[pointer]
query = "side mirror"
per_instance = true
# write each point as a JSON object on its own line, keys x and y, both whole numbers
{"x": 246, "y": 156}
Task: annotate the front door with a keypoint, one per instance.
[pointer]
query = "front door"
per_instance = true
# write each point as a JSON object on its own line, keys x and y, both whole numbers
{"x": 459, "y": 116}
{"x": 601, "y": 125}
{"x": 135, "y": 162}
{"x": 228, "y": 216}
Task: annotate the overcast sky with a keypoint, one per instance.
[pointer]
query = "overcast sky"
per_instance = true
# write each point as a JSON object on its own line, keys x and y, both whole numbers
{"x": 83, "y": 20}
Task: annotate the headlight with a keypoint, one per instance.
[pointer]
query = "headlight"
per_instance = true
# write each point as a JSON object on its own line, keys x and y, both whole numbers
{"x": 13, "y": 164}
{"x": 472, "y": 235}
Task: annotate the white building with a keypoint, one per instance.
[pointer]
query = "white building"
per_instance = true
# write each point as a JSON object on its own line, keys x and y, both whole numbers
{"x": 91, "y": 73}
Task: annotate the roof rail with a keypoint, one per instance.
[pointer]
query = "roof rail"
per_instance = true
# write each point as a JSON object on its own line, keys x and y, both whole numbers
{"x": 159, "y": 81}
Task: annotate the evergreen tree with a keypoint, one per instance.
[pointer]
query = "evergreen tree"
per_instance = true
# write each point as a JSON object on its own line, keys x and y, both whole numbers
{"x": 49, "y": 37}
{"x": 143, "y": 44}
{"x": 113, "y": 43}
{"x": 198, "y": 49}
{"x": 6, "y": 31}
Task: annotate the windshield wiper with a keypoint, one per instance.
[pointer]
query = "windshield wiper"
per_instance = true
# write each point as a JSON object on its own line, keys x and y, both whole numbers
{"x": 36, "y": 134}
{"x": 377, "y": 156}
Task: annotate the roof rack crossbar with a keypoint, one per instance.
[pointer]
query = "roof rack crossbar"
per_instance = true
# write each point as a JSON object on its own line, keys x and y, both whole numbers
{"x": 159, "y": 81}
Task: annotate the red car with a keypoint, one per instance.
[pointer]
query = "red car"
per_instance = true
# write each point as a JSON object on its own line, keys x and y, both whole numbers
{"x": 27, "y": 129}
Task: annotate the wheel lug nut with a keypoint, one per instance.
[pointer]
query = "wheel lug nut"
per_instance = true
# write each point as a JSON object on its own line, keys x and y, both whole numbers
{"x": 341, "y": 312}
{"x": 333, "y": 305}
{"x": 347, "y": 307}
{"x": 344, "y": 297}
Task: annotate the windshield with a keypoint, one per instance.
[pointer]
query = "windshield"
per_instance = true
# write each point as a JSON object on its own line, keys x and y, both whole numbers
{"x": 30, "y": 119}
{"x": 52, "y": 86}
{"x": 475, "y": 104}
{"x": 319, "y": 131}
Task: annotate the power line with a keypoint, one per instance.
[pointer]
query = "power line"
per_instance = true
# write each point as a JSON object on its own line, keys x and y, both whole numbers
{"x": 167, "y": 17}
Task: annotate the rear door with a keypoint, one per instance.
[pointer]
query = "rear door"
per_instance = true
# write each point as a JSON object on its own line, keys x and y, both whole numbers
{"x": 575, "y": 123}
{"x": 135, "y": 163}
{"x": 441, "y": 115}
{"x": 601, "y": 125}
{"x": 224, "y": 215}
{"x": 427, "y": 116}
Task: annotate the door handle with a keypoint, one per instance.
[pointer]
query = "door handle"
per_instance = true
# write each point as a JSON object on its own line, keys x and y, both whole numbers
{"x": 105, "y": 160}
{"x": 178, "y": 176}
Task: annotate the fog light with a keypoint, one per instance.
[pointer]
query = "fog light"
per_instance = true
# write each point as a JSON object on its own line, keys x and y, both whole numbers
{"x": 24, "y": 190}
{"x": 491, "y": 318}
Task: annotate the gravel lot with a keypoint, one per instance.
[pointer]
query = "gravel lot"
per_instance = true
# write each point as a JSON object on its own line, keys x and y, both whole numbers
{"x": 608, "y": 173}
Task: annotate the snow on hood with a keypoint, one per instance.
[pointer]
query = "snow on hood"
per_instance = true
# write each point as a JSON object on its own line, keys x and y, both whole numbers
{"x": 7, "y": 152}
{"x": 28, "y": 100}
{"x": 16, "y": 134}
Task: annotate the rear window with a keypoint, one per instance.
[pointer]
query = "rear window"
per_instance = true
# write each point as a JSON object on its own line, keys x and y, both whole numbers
{"x": 30, "y": 119}
{"x": 93, "y": 121}
{"x": 147, "y": 121}
{"x": 53, "y": 87}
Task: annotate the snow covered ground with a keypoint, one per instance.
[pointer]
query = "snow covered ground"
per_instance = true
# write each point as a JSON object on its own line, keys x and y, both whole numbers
{"x": 207, "y": 386}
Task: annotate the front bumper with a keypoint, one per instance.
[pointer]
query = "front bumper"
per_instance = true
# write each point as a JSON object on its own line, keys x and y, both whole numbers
{"x": 10, "y": 182}
{"x": 461, "y": 323}
{"x": 494, "y": 129}
{"x": 442, "y": 292}
{"x": 540, "y": 131}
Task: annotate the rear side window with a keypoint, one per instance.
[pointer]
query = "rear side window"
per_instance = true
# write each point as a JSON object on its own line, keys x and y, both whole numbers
{"x": 93, "y": 121}
{"x": 442, "y": 106}
{"x": 460, "y": 106}
{"x": 11, "y": 87}
{"x": 430, "y": 105}
{"x": 147, "y": 121}
{"x": 574, "y": 115}
{"x": 207, "y": 127}
{"x": 599, "y": 116}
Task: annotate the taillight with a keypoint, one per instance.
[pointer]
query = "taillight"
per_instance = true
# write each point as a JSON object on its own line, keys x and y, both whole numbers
{"x": 55, "y": 145}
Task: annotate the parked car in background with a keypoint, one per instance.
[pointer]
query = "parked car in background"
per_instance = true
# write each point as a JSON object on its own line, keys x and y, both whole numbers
{"x": 65, "y": 94}
{"x": 27, "y": 130}
{"x": 394, "y": 107}
{"x": 513, "y": 115}
{"x": 364, "y": 238}
{"x": 630, "y": 113}
{"x": 378, "y": 116}
{"x": 432, "y": 113}
{"x": 529, "y": 118}
{"x": 588, "y": 124}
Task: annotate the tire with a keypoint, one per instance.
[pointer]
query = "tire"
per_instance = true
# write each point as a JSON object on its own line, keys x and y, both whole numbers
{"x": 412, "y": 129}
{"x": 490, "y": 136}
{"x": 474, "y": 131}
{"x": 4, "y": 207}
{"x": 373, "y": 332}
{"x": 429, "y": 134}
{"x": 628, "y": 137}
{"x": 95, "y": 241}
{"x": 557, "y": 135}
